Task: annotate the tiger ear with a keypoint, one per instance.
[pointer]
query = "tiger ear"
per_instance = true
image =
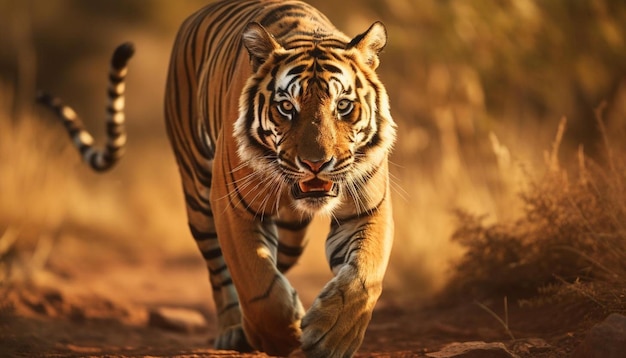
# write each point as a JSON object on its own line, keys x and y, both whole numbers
{"x": 370, "y": 43}
{"x": 259, "y": 43}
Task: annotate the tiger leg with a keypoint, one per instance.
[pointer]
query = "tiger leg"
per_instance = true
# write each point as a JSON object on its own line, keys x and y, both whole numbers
{"x": 358, "y": 250}
{"x": 271, "y": 308}
{"x": 197, "y": 189}
{"x": 291, "y": 240}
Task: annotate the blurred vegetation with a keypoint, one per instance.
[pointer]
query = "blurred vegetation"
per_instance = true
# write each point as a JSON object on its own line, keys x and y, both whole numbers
{"x": 477, "y": 87}
{"x": 568, "y": 250}
{"x": 503, "y": 61}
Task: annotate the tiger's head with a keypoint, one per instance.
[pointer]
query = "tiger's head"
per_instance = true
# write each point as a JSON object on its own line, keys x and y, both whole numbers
{"x": 314, "y": 118}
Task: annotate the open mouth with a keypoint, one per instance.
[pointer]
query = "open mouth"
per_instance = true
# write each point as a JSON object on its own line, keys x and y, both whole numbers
{"x": 315, "y": 188}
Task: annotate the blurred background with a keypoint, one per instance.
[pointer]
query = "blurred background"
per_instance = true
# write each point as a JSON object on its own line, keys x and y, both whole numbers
{"x": 478, "y": 90}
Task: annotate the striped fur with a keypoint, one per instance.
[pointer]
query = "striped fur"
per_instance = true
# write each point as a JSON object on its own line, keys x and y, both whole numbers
{"x": 99, "y": 159}
{"x": 263, "y": 97}
{"x": 274, "y": 116}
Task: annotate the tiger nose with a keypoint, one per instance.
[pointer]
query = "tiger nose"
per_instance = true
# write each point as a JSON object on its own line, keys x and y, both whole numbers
{"x": 315, "y": 166}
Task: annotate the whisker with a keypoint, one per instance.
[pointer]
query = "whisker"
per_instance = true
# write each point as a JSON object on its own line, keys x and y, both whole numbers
{"x": 396, "y": 164}
{"x": 397, "y": 188}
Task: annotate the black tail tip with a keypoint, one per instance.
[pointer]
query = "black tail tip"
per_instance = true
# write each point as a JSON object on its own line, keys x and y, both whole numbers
{"x": 122, "y": 54}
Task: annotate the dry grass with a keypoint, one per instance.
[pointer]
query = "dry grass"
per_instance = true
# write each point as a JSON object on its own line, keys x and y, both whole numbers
{"x": 48, "y": 192}
{"x": 570, "y": 244}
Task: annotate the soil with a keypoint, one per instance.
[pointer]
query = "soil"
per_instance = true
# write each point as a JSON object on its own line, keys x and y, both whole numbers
{"x": 89, "y": 300}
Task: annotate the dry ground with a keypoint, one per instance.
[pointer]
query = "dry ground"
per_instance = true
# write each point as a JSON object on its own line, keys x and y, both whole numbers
{"x": 94, "y": 299}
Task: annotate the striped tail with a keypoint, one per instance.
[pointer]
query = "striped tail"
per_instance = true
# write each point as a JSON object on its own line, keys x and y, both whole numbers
{"x": 99, "y": 159}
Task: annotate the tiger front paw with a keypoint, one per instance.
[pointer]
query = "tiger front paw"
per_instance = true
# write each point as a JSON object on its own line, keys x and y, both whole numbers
{"x": 232, "y": 338}
{"x": 336, "y": 323}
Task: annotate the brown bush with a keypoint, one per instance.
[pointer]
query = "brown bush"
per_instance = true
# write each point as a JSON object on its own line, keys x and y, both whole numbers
{"x": 570, "y": 242}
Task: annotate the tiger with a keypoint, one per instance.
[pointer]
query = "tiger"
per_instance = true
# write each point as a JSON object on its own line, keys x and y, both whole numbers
{"x": 274, "y": 116}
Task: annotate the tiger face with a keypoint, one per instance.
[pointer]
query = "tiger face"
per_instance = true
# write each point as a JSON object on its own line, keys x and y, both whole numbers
{"x": 314, "y": 118}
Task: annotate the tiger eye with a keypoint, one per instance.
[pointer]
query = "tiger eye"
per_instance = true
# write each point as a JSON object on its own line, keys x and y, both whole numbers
{"x": 286, "y": 106}
{"x": 286, "y": 109}
{"x": 344, "y": 107}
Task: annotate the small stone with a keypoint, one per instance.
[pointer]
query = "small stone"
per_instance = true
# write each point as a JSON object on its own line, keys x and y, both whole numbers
{"x": 177, "y": 319}
{"x": 605, "y": 340}
{"x": 530, "y": 346}
{"x": 473, "y": 350}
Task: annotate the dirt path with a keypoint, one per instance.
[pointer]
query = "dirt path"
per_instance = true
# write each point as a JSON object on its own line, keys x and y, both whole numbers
{"x": 85, "y": 304}
{"x": 121, "y": 332}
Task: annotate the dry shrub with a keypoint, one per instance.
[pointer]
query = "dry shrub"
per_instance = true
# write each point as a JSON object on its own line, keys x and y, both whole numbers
{"x": 569, "y": 244}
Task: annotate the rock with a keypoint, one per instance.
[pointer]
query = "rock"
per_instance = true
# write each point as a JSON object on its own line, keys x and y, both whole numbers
{"x": 473, "y": 350}
{"x": 177, "y": 319}
{"x": 530, "y": 346}
{"x": 605, "y": 340}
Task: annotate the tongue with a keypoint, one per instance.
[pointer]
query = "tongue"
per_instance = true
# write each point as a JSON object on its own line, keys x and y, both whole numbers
{"x": 316, "y": 184}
